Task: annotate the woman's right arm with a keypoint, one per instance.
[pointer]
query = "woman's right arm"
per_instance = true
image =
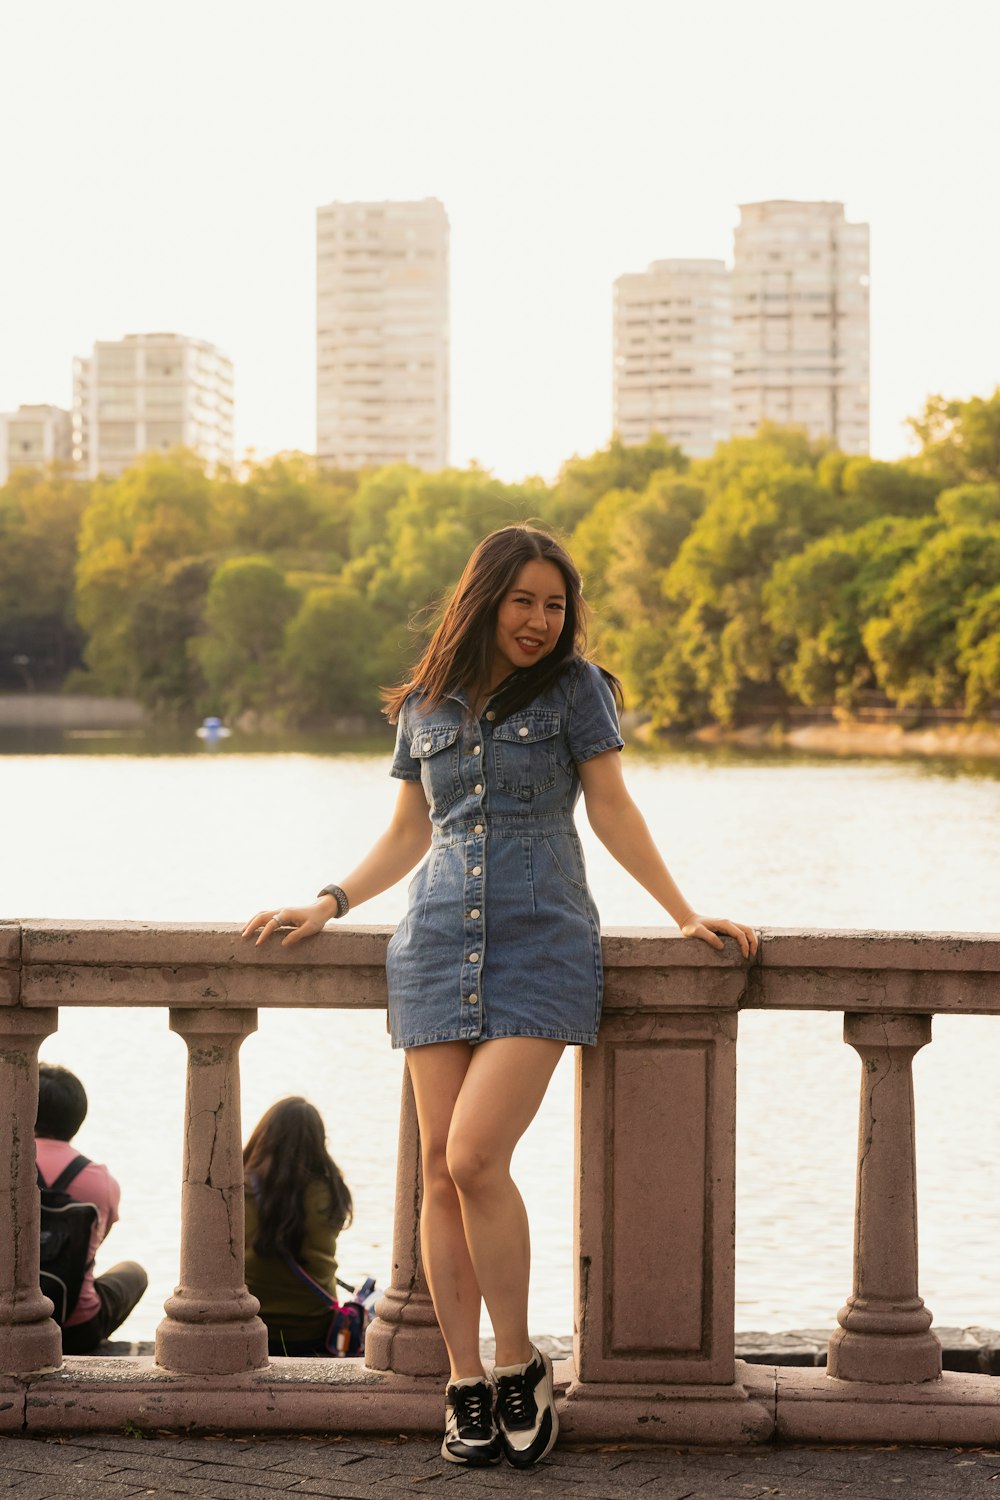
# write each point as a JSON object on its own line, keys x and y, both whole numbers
{"x": 403, "y": 845}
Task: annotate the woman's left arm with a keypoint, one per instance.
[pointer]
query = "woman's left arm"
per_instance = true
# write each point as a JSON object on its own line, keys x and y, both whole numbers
{"x": 622, "y": 830}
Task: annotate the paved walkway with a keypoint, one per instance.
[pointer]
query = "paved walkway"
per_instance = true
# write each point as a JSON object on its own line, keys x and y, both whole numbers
{"x": 100, "y": 1467}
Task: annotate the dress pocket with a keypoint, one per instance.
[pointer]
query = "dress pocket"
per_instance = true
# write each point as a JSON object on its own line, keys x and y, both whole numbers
{"x": 567, "y": 856}
{"x": 436, "y": 748}
{"x": 524, "y": 752}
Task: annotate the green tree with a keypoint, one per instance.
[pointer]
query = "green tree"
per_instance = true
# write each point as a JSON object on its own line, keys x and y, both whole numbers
{"x": 39, "y": 523}
{"x": 960, "y": 440}
{"x": 870, "y": 489}
{"x": 157, "y": 514}
{"x": 165, "y": 613}
{"x": 624, "y": 547}
{"x": 978, "y": 640}
{"x": 970, "y": 505}
{"x": 818, "y": 601}
{"x": 290, "y": 506}
{"x": 583, "y": 481}
{"x": 913, "y": 644}
{"x": 326, "y": 662}
{"x": 721, "y": 651}
{"x": 239, "y": 649}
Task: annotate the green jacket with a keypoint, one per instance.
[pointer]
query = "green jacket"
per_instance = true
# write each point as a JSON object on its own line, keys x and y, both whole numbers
{"x": 288, "y": 1307}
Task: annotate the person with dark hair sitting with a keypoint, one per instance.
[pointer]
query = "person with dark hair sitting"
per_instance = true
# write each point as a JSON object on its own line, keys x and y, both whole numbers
{"x": 297, "y": 1202}
{"x": 105, "y": 1301}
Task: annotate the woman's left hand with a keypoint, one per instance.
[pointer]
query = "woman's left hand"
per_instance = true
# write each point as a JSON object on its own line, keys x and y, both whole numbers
{"x": 707, "y": 929}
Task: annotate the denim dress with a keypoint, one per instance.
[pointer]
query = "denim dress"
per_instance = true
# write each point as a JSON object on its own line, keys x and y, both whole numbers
{"x": 501, "y": 936}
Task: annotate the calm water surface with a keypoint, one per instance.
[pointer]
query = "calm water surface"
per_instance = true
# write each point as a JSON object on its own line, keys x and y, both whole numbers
{"x": 111, "y": 828}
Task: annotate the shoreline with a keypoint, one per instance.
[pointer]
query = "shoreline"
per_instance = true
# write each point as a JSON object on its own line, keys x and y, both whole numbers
{"x": 851, "y": 737}
{"x": 967, "y": 741}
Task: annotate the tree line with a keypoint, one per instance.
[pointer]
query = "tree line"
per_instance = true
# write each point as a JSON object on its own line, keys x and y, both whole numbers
{"x": 777, "y": 572}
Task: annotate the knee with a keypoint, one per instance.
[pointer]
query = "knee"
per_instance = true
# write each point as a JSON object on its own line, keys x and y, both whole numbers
{"x": 473, "y": 1168}
{"x": 434, "y": 1163}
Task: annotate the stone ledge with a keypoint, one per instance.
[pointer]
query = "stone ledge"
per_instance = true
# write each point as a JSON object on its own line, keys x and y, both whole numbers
{"x": 954, "y": 1410}
{"x": 970, "y": 1351}
{"x": 341, "y": 1396}
{"x": 96, "y": 1394}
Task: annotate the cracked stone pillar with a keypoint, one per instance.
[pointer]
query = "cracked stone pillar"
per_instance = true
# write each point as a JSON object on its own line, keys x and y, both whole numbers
{"x": 405, "y": 1337}
{"x": 884, "y": 1332}
{"x": 29, "y": 1340}
{"x": 211, "y": 1325}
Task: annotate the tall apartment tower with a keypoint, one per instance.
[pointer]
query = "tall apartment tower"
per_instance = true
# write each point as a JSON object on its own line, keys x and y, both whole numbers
{"x": 382, "y": 345}
{"x": 34, "y": 436}
{"x": 150, "y": 392}
{"x": 672, "y": 354}
{"x": 800, "y": 321}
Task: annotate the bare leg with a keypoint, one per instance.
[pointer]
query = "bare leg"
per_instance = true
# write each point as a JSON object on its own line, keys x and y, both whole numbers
{"x": 437, "y": 1073}
{"x": 503, "y": 1086}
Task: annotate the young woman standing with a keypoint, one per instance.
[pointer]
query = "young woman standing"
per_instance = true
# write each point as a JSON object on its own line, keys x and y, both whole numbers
{"x": 496, "y": 966}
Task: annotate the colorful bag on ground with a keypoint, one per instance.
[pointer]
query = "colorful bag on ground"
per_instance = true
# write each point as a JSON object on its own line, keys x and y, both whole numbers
{"x": 345, "y": 1334}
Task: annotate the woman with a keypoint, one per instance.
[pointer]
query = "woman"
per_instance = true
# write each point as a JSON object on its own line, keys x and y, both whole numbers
{"x": 297, "y": 1203}
{"x": 496, "y": 966}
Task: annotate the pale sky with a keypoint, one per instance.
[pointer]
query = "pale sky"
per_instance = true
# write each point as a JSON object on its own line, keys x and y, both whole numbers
{"x": 163, "y": 164}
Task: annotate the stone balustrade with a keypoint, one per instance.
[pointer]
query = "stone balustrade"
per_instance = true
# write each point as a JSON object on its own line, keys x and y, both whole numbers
{"x": 654, "y": 1229}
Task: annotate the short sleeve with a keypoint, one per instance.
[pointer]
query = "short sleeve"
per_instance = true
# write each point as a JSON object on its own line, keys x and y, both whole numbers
{"x": 404, "y": 767}
{"x": 593, "y": 716}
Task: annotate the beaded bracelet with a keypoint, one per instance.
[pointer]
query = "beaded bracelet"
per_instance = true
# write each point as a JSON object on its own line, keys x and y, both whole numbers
{"x": 340, "y": 896}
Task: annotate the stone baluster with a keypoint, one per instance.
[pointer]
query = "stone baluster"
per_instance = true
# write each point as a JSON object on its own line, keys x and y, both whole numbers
{"x": 211, "y": 1325}
{"x": 29, "y": 1340}
{"x": 405, "y": 1337}
{"x": 655, "y": 1193}
{"x": 884, "y": 1327}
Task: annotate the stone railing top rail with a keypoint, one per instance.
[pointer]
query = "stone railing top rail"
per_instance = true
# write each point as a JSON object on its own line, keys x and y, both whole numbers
{"x": 52, "y": 963}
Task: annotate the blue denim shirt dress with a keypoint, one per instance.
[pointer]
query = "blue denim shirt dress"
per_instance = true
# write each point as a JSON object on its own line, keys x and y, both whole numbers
{"x": 501, "y": 936}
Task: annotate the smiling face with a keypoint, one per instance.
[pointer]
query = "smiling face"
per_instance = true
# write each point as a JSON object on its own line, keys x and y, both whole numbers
{"x": 530, "y": 618}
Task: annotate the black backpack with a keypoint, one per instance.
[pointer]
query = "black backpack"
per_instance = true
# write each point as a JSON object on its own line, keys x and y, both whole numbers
{"x": 67, "y": 1226}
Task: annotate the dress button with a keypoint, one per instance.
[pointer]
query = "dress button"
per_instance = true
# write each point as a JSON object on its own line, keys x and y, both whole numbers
{"x": 474, "y": 912}
{"x": 476, "y": 749}
{"x": 478, "y": 787}
{"x": 427, "y": 744}
{"x": 473, "y": 958}
{"x": 491, "y": 715}
{"x": 523, "y": 732}
{"x": 478, "y": 828}
{"x": 472, "y": 999}
{"x": 477, "y": 869}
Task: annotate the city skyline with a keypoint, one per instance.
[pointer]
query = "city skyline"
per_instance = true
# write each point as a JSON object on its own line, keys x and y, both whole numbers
{"x": 135, "y": 218}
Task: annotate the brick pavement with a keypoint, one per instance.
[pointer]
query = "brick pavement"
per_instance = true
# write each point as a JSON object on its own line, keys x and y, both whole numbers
{"x": 115, "y": 1467}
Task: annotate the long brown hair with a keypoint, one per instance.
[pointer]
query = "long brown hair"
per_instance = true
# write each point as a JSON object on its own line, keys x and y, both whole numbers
{"x": 460, "y": 652}
{"x": 285, "y": 1153}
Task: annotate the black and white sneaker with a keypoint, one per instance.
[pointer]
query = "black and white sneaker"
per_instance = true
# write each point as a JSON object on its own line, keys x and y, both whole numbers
{"x": 526, "y": 1411}
{"x": 470, "y": 1429}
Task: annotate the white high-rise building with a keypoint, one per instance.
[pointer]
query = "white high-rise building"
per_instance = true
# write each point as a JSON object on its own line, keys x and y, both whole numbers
{"x": 800, "y": 321}
{"x": 382, "y": 341}
{"x": 672, "y": 354}
{"x": 151, "y": 392}
{"x": 34, "y": 436}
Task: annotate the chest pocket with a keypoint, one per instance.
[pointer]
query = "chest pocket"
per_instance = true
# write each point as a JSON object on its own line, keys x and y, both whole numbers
{"x": 524, "y": 752}
{"x": 436, "y": 747}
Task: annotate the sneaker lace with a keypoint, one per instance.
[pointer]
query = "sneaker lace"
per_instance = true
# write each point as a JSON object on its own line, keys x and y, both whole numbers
{"x": 512, "y": 1394}
{"x": 469, "y": 1402}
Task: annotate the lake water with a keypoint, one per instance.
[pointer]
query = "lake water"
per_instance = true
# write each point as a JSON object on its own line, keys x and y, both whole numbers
{"x": 113, "y": 828}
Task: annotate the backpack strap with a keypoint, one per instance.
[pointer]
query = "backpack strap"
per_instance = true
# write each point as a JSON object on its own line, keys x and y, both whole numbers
{"x": 301, "y": 1274}
{"x": 67, "y": 1174}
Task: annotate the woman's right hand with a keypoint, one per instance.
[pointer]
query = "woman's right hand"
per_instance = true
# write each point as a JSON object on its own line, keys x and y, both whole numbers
{"x": 303, "y": 920}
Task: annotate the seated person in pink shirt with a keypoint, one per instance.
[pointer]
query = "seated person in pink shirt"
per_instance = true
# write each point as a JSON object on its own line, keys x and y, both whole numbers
{"x": 105, "y": 1301}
